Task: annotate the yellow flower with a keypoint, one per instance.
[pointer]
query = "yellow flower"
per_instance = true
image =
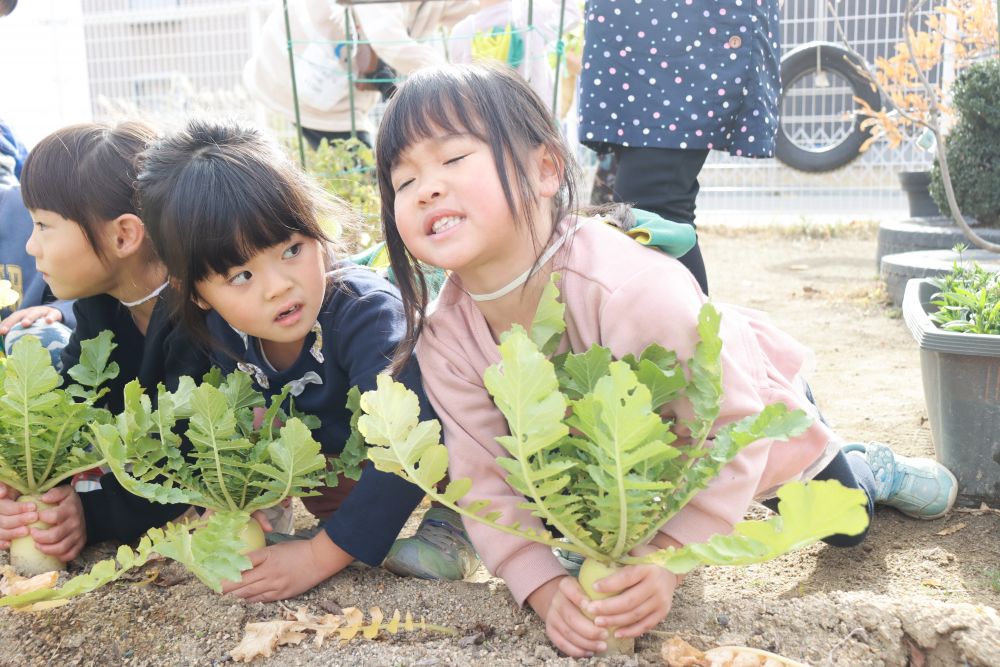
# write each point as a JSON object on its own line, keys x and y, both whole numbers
{"x": 8, "y": 296}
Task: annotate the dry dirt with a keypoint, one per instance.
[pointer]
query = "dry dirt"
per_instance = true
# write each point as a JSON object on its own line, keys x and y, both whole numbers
{"x": 909, "y": 596}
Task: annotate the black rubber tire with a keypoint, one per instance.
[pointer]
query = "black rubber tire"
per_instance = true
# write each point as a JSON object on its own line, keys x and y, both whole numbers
{"x": 801, "y": 62}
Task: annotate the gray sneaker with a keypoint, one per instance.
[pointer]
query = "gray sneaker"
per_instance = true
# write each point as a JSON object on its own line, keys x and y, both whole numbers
{"x": 440, "y": 549}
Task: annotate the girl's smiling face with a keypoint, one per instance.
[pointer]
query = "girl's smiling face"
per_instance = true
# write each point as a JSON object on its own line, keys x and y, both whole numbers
{"x": 451, "y": 211}
{"x": 275, "y": 296}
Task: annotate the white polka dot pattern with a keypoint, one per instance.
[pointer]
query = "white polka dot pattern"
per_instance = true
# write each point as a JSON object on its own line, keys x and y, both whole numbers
{"x": 681, "y": 74}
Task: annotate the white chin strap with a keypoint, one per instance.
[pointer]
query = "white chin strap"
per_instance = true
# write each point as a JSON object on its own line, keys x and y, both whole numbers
{"x": 523, "y": 278}
{"x": 152, "y": 295}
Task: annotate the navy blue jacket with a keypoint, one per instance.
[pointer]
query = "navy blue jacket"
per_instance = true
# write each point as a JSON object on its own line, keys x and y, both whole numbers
{"x": 681, "y": 74}
{"x": 362, "y": 322}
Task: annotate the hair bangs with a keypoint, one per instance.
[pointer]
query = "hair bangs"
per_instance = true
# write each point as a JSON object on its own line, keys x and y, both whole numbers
{"x": 426, "y": 110}
{"x": 236, "y": 214}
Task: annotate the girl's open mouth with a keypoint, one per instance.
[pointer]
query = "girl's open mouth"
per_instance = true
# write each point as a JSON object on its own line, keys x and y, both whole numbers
{"x": 290, "y": 315}
{"x": 444, "y": 224}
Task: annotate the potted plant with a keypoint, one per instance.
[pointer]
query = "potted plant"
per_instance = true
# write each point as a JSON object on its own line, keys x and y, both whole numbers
{"x": 955, "y": 319}
{"x": 916, "y": 83}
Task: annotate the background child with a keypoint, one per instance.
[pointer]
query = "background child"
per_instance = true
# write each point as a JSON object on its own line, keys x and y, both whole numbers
{"x": 89, "y": 244}
{"x": 37, "y": 312}
{"x": 476, "y": 179}
{"x": 238, "y": 226}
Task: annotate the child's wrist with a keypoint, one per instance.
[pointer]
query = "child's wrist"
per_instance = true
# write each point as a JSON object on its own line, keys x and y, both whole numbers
{"x": 540, "y": 599}
{"x": 330, "y": 558}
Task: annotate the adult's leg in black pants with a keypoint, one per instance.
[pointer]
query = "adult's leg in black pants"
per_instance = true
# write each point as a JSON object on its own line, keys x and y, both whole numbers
{"x": 663, "y": 181}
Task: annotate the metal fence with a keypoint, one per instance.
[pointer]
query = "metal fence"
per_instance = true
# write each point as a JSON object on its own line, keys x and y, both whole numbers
{"x": 168, "y": 59}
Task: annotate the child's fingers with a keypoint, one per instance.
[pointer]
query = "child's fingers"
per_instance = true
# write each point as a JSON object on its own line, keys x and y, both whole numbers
{"x": 57, "y": 494}
{"x": 642, "y": 626}
{"x": 621, "y": 580}
{"x": 262, "y": 519}
{"x": 571, "y": 642}
{"x": 7, "y": 534}
{"x": 571, "y": 589}
{"x": 618, "y": 604}
{"x": 8, "y": 492}
{"x": 57, "y": 534}
{"x": 60, "y": 541}
{"x": 635, "y": 615}
{"x": 258, "y": 557}
{"x": 14, "y": 513}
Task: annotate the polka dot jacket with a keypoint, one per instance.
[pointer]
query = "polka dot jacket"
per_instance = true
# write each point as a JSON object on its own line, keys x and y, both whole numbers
{"x": 688, "y": 74}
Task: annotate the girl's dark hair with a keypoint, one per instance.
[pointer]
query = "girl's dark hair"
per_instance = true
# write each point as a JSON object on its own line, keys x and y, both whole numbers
{"x": 495, "y": 105}
{"x": 215, "y": 194}
{"x": 86, "y": 173}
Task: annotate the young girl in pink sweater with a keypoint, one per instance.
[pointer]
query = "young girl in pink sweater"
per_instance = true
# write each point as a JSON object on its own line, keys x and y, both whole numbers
{"x": 476, "y": 179}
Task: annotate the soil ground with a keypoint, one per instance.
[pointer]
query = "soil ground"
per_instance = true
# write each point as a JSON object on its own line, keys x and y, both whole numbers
{"x": 915, "y": 593}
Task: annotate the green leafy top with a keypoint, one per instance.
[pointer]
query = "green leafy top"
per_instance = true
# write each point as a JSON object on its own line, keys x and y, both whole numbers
{"x": 968, "y": 299}
{"x": 43, "y": 439}
{"x": 592, "y": 455}
{"x": 233, "y": 464}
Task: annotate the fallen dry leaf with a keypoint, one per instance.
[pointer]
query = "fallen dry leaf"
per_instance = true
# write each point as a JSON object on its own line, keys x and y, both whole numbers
{"x": 12, "y": 583}
{"x": 982, "y": 509}
{"x": 744, "y": 656}
{"x": 261, "y": 639}
{"x": 678, "y": 653}
{"x": 951, "y": 529}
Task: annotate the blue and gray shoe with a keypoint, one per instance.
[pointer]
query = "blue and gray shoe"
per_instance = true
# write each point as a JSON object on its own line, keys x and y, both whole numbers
{"x": 920, "y": 488}
{"x": 440, "y": 549}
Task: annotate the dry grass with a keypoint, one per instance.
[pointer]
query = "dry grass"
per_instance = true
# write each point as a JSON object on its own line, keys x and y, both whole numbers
{"x": 802, "y": 229}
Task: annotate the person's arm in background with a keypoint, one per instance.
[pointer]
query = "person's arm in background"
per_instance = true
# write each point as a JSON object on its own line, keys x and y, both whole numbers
{"x": 398, "y": 32}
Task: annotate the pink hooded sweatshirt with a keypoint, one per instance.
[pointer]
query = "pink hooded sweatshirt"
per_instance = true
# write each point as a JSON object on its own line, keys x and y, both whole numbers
{"x": 624, "y": 296}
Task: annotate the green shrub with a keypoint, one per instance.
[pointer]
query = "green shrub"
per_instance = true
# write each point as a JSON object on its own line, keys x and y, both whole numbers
{"x": 346, "y": 168}
{"x": 973, "y": 146}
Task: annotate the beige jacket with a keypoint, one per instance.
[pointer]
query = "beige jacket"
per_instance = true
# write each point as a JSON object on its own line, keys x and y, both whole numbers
{"x": 400, "y": 32}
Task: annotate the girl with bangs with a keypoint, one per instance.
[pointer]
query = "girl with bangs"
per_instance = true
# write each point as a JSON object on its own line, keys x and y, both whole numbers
{"x": 256, "y": 281}
{"x": 476, "y": 179}
{"x": 90, "y": 245}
